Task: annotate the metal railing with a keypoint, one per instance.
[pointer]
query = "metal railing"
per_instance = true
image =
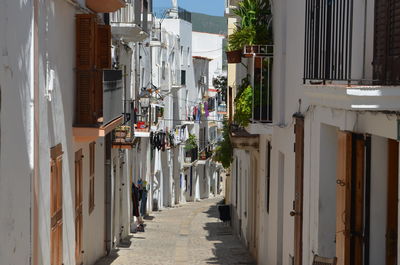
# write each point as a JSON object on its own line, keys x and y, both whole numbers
{"x": 328, "y": 40}
{"x": 124, "y": 15}
{"x": 262, "y": 82}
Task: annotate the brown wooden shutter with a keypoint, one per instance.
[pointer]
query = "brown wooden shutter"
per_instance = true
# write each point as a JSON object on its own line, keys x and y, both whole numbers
{"x": 343, "y": 197}
{"x": 392, "y": 202}
{"x": 380, "y": 39}
{"x": 393, "y": 67}
{"x": 85, "y": 97}
{"x": 298, "y": 197}
{"x": 103, "y": 47}
{"x": 85, "y": 41}
{"x": 387, "y": 42}
{"x": 56, "y": 236}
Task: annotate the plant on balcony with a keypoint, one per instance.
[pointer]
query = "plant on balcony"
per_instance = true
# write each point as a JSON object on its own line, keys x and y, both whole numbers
{"x": 243, "y": 103}
{"x": 191, "y": 142}
{"x": 254, "y": 27}
{"x": 224, "y": 151}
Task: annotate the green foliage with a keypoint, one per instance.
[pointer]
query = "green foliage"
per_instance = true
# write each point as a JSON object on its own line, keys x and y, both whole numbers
{"x": 243, "y": 107}
{"x": 242, "y": 37}
{"x": 255, "y": 24}
{"x": 191, "y": 142}
{"x": 224, "y": 151}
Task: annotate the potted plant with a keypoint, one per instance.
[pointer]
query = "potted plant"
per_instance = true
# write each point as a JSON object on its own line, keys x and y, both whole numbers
{"x": 254, "y": 27}
{"x": 234, "y": 56}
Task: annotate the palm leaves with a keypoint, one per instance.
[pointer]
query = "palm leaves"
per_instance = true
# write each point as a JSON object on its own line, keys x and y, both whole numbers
{"x": 255, "y": 24}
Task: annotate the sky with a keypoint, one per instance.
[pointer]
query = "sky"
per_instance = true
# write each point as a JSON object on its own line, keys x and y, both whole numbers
{"x": 209, "y": 7}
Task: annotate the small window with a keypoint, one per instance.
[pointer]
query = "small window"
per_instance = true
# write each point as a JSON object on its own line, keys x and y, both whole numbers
{"x": 188, "y": 56}
{"x": 92, "y": 150}
{"x": 182, "y": 55}
{"x": 163, "y": 70}
{"x": 183, "y": 77}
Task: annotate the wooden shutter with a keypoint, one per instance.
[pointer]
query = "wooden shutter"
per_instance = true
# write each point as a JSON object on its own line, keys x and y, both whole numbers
{"x": 85, "y": 41}
{"x": 392, "y": 202}
{"x": 78, "y": 207}
{"x": 393, "y": 67}
{"x": 380, "y": 39}
{"x": 387, "y": 42}
{"x": 298, "y": 197}
{"x": 85, "y": 97}
{"x": 56, "y": 235}
{"x": 343, "y": 197}
{"x": 103, "y": 47}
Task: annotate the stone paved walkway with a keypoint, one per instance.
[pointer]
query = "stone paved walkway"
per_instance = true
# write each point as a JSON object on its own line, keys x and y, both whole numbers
{"x": 186, "y": 235}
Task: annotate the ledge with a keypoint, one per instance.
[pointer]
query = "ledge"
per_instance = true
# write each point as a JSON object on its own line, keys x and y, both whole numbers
{"x": 354, "y": 97}
{"x": 128, "y": 32}
{"x": 90, "y": 134}
{"x": 241, "y": 139}
{"x": 105, "y": 6}
{"x": 260, "y": 128}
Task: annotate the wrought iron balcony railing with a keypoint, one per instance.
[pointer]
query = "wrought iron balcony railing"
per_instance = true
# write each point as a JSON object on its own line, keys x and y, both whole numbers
{"x": 262, "y": 82}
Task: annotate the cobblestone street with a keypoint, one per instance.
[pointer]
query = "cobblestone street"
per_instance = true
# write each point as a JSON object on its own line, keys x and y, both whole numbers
{"x": 189, "y": 234}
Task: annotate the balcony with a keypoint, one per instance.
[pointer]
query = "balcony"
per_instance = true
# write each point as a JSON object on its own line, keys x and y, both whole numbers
{"x": 99, "y": 104}
{"x": 348, "y": 65}
{"x": 105, "y": 6}
{"x": 191, "y": 157}
{"x": 125, "y": 24}
{"x": 262, "y": 59}
{"x": 123, "y": 138}
{"x": 142, "y": 129}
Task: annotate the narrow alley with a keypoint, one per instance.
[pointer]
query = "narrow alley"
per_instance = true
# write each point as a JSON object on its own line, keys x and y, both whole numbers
{"x": 187, "y": 234}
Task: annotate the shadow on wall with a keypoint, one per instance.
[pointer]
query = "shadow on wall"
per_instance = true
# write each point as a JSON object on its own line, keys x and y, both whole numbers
{"x": 227, "y": 248}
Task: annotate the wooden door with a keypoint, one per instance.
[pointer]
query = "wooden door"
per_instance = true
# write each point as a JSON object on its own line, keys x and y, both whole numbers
{"x": 357, "y": 199}
{"x": 343, "y": 197}
{"x": 350, "y": 193}
{"x": 78, "y": 207}
{"x": 56, "y": 234}
{"x": 298, "y": 196}
{"x": 392, "y": 202}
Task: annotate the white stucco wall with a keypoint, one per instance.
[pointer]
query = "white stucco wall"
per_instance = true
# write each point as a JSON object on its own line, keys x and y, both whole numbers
{"x": 16, "y": 131}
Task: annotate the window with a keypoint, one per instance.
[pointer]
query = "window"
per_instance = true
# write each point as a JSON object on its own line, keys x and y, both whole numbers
{"x": 183, "y": 77}
{"x": 163, "y": 70}
{"x": 188, "y": 56}
{"x": 56, "y": 248}
{"x": 268, "y": 176}
{"x": 92, "y": 150}
{"x": 182, "y": 56}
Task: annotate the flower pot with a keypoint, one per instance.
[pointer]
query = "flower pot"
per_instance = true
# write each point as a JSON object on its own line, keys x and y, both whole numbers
{"x": 234, "y": 56}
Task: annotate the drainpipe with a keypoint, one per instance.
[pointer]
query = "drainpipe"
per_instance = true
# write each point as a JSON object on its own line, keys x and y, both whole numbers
{"x": 35, "y": 180}
{"x": 108, "y": 191}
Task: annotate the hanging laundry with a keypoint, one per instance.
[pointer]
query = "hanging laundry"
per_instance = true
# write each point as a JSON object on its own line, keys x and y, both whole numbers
{"x": 206, "y": 109}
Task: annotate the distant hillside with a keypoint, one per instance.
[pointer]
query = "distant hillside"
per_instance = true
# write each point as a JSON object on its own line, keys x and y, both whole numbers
{"x": 209, "y": 24}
